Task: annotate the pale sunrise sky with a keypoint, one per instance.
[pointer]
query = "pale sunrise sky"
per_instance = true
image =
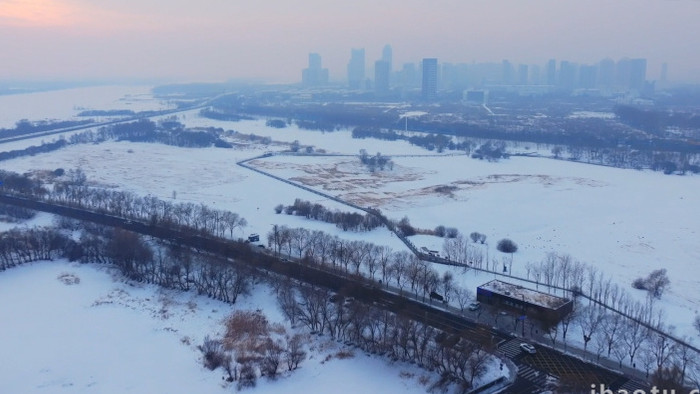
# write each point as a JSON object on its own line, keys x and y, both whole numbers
{"x": 214, "y": 40}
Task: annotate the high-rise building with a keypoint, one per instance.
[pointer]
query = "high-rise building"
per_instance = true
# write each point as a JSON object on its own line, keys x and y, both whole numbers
{"x": 387, "y": 56}
{"x": 314, "y": 75}
{"x": 507, "y": 69}
{"x": 587, "y": 76}
{"x": 430, "y": 79}
{"x": 522, "y": 74}
{"x": 408, "y": 76}
{"x": 638, "y": 74}
{"x": 535, "y": 76}
{"x": 567, "y": 75}
{"x": 356, "y": 68}
{"x": 382, "y": 70}
{"x": 552, "y": 72}
{"x": 606, "y": 73}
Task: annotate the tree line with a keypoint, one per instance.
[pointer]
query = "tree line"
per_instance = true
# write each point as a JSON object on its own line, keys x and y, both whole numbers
{"x": 166, "y": 132}
{"x": 347, "y": 221}
{"x": 25, "y": 126}
{"x": 454, "y": 359}
{"x": 402, "y": 269}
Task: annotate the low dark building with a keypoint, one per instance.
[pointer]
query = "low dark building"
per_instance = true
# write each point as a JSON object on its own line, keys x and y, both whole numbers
{"x": 531, "y": 303}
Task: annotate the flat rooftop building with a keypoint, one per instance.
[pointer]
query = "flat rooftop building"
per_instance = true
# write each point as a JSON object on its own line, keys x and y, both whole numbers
{"x": 532, "y": 303}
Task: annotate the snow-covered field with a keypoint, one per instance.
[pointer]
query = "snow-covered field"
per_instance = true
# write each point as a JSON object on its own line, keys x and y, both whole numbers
{"x": 66, "y": 104}
{"x": 104, "y": 335}
{"x": 625, "y": 222}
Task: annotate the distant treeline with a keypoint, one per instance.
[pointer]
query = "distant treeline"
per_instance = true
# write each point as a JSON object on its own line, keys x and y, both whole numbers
{"x": 218, "y": 115}
{"x": 344, "y": 220}
{"x": 167, "y": 132}
{"x": 33, "y": 150}
{"x": 12, "y": 213}
{"x": 111, "y": 112}
{"x": 24, "y": 127}
{"x": 658, "y": 121}
{"x": 599, "y": 141}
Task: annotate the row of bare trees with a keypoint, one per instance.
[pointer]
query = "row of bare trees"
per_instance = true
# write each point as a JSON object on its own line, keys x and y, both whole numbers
{"x": 352, "y": 221}
{"x": 377, "y": 262}
{"x": 456, "y": 360}
{"x": 74, "y": 191}
{"x": 20, "y": 246}
{"x": 667, "y": 363}
{"x": 573, "y": 278}
{"x": 167, "y": 265}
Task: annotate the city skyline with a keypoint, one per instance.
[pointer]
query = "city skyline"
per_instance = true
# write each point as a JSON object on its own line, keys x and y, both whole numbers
{"x": 266, "y": 40}
{"x": 605, "y": 76}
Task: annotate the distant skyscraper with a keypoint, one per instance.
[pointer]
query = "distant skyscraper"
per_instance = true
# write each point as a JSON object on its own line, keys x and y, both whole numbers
{"x": 507, "y": 69}
{"x": 587, "y": 76}
{"x": 387, "y": 56}
{"x": 314, "y": 75}
{"x": 356, "y": 68}
{"x": 535, "y": 77}
{"x": 567, "y": 75}
{"x": 638, "y": 74}
{"x": 314, "y": 61}
{"x": 552, "y": 72}
{"x": 382, "y": 70}
{"x": 408, "y": 76}
{"x": 430, "y": 74}
{"x": 606, "y": 73}
{"x": 522, "y": 74}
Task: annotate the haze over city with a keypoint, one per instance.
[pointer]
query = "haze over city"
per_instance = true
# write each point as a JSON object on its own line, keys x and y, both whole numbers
{"x": 270, "y": 41}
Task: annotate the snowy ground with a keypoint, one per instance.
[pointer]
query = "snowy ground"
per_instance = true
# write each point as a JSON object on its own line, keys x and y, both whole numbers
{"x": 102, "y": 335}
{"x": 66, "y": 104}
{"x": 625, "y": 222}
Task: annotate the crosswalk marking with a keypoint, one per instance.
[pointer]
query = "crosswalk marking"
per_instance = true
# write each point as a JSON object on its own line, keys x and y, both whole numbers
{"x": 538, "y": 378}
{"x": 511, "y": 348}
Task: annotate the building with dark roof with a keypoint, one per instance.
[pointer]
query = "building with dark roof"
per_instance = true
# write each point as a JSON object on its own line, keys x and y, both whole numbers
{"x": 528, "y": 302}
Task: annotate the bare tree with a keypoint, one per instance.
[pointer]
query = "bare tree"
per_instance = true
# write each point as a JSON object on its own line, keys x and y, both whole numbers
{"x": 612, "y": 329}
{"x": 447, "y": 283}
{"x": 566, "y": 321}
{"x": 398, "y": 268}
{"x": 662, "y": 348}
{"x": 591, "y": 318}
{"x": 463, "y": 297}
{"x": 635, "y": 336}
{"x": 384, "y": 254}
{"x": 273, "y": 352}
{"x": 294, "y": 353}
{"x": 507, "y": 246}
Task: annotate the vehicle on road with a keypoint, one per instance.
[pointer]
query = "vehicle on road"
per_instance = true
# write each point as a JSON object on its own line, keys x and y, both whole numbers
{"x": 527, "y": 348}
{"x": 474, "y": 306}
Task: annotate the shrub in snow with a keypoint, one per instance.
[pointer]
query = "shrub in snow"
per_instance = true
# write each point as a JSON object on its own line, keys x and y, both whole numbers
{"x": 655, "y": 283}
{"x": 213, "y": 353}
{"x": 247, "y": 377}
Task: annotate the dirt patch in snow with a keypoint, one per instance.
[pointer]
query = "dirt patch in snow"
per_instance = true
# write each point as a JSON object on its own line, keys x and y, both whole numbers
{"x": 359, "y": 186}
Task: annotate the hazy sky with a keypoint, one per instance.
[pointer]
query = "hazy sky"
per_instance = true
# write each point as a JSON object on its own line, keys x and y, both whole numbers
{"x": 212, "y": 40}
